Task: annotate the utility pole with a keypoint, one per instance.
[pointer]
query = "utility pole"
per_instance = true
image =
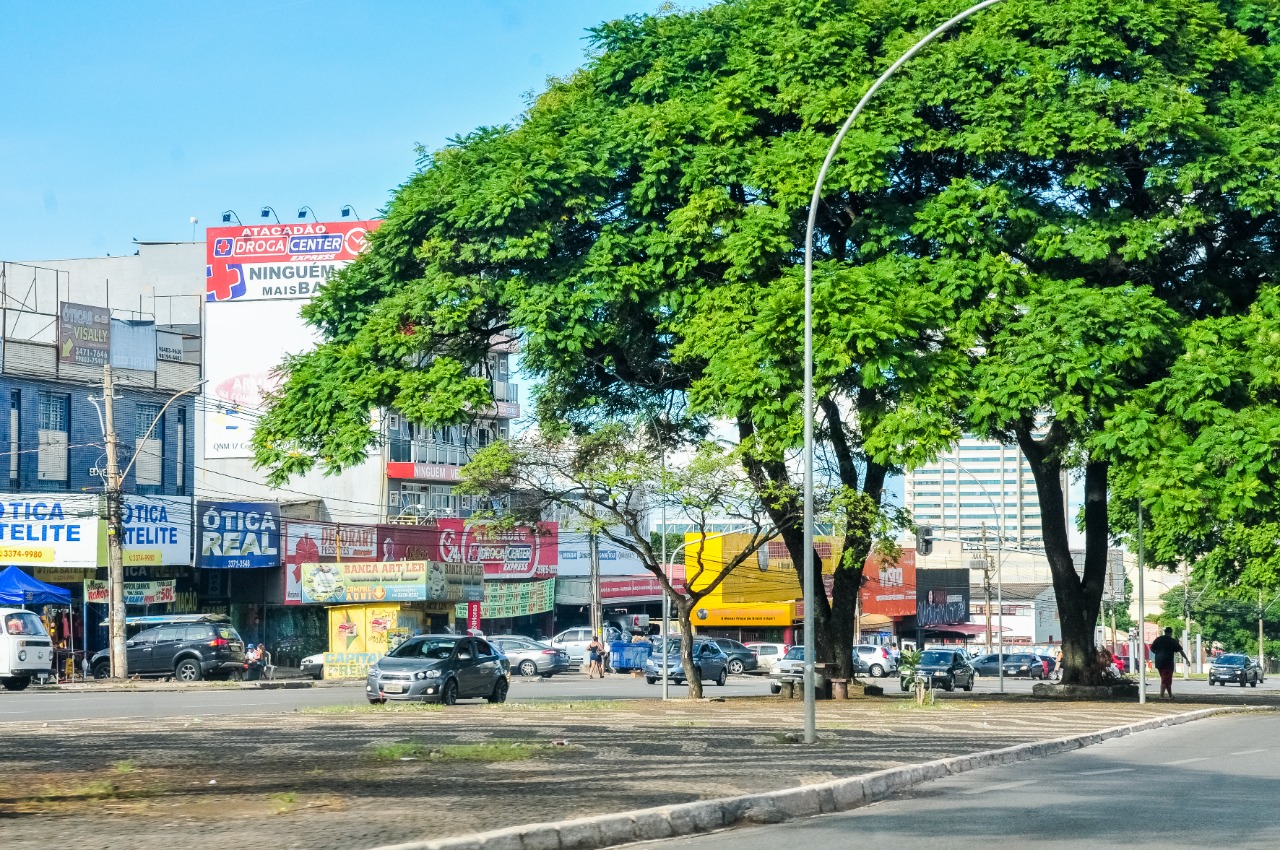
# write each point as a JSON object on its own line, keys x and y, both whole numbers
{"x": 115, "y": 528}
{"x": 1262, "y": 655}
{"x": 1142, "y": 615}
{"x": 986, "y": 582}
{"x": 1186, "y": 615}
{"x": 597, "y": 615}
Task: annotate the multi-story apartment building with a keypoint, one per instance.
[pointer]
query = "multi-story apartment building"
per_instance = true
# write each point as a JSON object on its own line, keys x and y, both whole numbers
{"x": 978, "y": 483}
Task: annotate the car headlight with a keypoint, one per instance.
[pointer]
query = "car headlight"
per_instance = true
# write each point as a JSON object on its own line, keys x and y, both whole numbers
{"x": 427, "y": 674}
{"x": 22, "y": 655}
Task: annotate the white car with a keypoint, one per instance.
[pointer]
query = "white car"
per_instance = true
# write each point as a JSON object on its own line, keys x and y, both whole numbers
{"x": 574, "y": 641}
{"x": 313, "y": 666}
{"x": 768, "y": 653}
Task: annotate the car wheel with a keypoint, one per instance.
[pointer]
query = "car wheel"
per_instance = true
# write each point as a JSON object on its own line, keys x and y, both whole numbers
{"x": 775, "y": 688}
{"x": 528, "y": 668}
{"x": 499, "y": 691}
{"x": 17, "y": 684}
{"x": 969, "y": 685}
{"x": 653, "y": 680}
{"x": 188, "y": 670}
{"x": 546, "y": 675}
{"x": 1242, "y": 682}
{"x": 951, "y": 684}
{"x": 905, "y": 686}
{"x": 102, "y": 671}
{"x": 735, "y": 666}
{"x": 877, "y": 670}
{"x": 376, "y": 701}
{"x": 678, "y": 681}
{"x": 1254, "y": 683}
{"x": 723, "y": 677}
{"x": 319, "y": 677}
{"x": 449, "y": 696}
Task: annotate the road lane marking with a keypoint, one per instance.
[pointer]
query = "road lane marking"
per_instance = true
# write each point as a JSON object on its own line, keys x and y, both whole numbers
{"x": 1186, "y": 761}
{"x": 1249, "y": 752}
{"x": 1001, "y": 786}
{"x": 1108, "y": 770}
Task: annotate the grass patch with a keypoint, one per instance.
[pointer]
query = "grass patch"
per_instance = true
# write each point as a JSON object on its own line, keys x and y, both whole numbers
{"x": 98, "y": 789}
{"x": 497, "y": 751}
{"x": 386, "y": 708}
{"x": 580, "y": 705}
{"x": 126, "y": 766}
{"x": 285, "y": 802}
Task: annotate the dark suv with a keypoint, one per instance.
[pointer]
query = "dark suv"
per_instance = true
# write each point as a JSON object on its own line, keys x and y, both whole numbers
{"x": 187, "y": 652}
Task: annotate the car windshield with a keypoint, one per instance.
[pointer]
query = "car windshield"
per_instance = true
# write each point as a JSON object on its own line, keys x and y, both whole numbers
{"x": 936, "y": 656}
{"x": 1231, "y": 660}
{"x": 24, "y": 623}
{"x": 795, "y": 653}
{"x": 435, "y": 649}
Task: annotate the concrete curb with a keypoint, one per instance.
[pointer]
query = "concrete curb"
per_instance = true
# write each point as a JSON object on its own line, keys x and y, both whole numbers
{"x": 175, "y": 687}
{"x": 593, "y": 833}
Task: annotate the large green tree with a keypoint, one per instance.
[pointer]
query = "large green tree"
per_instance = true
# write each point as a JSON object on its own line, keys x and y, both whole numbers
{"x": 1012, "y": 243}
{"x": 636, "y": 231}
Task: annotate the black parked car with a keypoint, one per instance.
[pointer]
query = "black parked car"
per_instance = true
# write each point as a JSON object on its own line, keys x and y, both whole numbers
{"x": 741, "y": 659}
{"x": 1019, "y": 664}
{"x": 943, "y": 668}
{"x": 439, "y": 668}
{"x": 187, "y": 652}
{"x": 1235, "y": 668}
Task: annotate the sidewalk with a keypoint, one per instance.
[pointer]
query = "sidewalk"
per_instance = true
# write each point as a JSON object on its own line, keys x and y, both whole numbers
{"x": 319, "y": 780}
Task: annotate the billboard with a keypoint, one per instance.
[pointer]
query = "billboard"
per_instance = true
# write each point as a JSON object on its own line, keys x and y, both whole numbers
{"x": 317, "y": 542}
{"x": 157, "y": 531}
{"x": 573, "y": 554}
{"x": 518, "y": 553}
{"x": 135, "y": 592}
{"x": 512, "y": 599}
{"x": 260, "y": 277}
{"x": 237, "y": 535}
{"x": 889, "y": 588}
{"x": 37, "y": 530}
{"x": 133, "y": 344}
{"x": 272, "y": 261}
{"x": 84, "y": 334}
{"x": 942, "y": 597}
{"x": 395, "y": 581}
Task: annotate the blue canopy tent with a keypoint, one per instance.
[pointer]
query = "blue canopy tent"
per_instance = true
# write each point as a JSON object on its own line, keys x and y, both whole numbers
{"x": 18, "y": 589}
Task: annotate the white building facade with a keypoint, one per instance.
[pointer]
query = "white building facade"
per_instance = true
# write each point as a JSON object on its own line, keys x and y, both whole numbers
{"x": 978, "y": 485}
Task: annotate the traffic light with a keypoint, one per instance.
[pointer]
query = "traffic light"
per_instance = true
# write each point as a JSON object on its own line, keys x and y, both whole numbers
{"x": 924, "y": 540}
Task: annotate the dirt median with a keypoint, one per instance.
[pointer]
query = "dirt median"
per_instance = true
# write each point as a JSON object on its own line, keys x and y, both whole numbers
{"x": 362, "y": 777}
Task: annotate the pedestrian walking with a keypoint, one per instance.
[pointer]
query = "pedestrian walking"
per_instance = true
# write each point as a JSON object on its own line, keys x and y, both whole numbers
{"x": 595, "y": 657}
{"x": 1057, "y": 666}
{"x": 1164, "y": 650}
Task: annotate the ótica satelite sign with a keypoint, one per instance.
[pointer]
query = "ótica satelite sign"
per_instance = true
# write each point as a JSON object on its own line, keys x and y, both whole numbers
{"x": 237, "y": 535}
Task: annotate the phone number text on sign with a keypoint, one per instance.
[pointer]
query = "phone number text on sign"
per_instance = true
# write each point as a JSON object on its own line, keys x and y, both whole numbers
{"x": 17, "y": 553}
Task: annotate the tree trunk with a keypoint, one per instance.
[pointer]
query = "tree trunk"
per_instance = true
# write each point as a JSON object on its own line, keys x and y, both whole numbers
{"x": 684, "y": 612}
{"x": 767, "y": 477}
{"x": 1079, "y": 598}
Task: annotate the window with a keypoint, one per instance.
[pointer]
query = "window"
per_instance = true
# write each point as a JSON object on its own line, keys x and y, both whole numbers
{"x": 148, "y": 467}
{"x": 15, "y": 429}
{"x": 180, "y": 473}
{"x": 55, "y": 417}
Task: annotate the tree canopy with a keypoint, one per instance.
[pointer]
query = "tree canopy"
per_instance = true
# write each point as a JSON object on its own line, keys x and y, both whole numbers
{"x": 1016, "y": 240}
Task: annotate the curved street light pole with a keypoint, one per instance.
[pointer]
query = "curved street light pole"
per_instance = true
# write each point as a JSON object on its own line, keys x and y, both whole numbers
{"x": 810, "y": 707}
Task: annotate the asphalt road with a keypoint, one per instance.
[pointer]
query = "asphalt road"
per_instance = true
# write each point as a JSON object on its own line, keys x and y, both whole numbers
{"x": 63, "y": 706}
{"x": 59, "y": 706}
{"x": 1204, "y": 784}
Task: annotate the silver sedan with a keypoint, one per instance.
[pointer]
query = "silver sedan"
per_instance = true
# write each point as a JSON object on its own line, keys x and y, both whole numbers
{"x": 528, "y": 657}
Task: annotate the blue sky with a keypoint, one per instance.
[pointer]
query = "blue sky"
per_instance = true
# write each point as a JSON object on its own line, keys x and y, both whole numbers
{"x": 124, "y": 120}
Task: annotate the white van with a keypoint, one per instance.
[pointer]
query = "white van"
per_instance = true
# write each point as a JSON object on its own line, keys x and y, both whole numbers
{"x": 25, "y": 648}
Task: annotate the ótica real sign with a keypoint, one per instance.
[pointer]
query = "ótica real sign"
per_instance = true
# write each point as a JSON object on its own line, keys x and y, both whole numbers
{"x": 237, "y": 535}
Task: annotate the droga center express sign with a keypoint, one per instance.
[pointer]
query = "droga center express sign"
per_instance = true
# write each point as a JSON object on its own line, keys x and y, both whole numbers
{"x": 36, "y": 530}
